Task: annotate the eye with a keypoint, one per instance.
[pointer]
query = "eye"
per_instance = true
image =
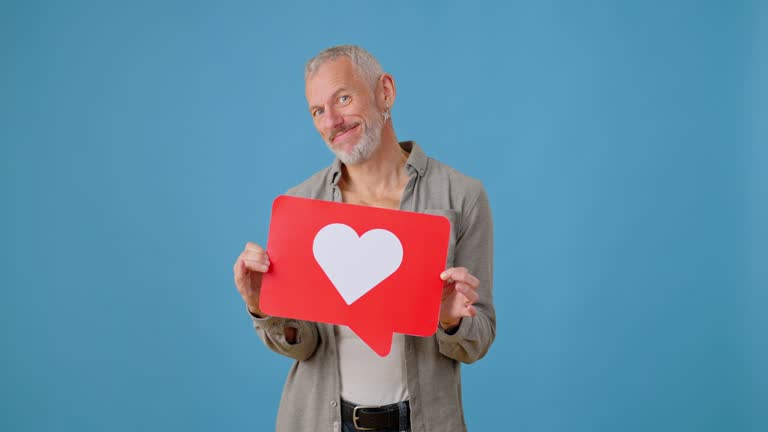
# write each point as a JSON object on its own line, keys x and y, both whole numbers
{"x": 345, "y": 99}
{"x": 317, "y": 112}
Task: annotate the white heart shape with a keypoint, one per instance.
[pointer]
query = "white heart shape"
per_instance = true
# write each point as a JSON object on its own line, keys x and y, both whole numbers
{"x": 355, "y": 264}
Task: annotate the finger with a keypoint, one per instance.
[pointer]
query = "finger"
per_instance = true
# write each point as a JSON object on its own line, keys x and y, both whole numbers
{"x": 241, "y": 273}
{"x": 257, "y": 266}
{"x": 470, "y": 311}
{"x": 256, "y": 260}
{"x": 463, "y": 275}
{"x": 472, "y": 281}
{"x": 240, "y": 269}
{"x": 446, "y": 274}
{"x": 253, "y": 247}
{"x": 453, "y": 273}
{"x": 470, "y": 294}
{"x": 254, "y": 255}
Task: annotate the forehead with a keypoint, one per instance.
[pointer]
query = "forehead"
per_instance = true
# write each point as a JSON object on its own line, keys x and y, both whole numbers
{"x": 331, "y": 76}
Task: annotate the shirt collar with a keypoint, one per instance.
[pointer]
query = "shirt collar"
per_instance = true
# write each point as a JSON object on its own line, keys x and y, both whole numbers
{"x": 417, "y": 161}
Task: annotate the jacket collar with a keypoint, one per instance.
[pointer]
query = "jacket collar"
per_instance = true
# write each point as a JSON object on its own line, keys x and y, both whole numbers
{"x": 417, "y": 161}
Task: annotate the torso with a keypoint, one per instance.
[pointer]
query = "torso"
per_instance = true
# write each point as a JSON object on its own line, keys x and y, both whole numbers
{"x": 367, "y": 378}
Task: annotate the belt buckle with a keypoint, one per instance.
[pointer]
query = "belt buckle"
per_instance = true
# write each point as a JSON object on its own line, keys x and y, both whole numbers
{"x": 355, "y": 417}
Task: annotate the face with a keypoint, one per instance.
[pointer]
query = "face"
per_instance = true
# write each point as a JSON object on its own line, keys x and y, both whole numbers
{"x": 344, "y": 111}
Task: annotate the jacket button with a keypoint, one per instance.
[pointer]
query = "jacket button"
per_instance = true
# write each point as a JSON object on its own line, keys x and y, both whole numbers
{"x": 333, "y": 404}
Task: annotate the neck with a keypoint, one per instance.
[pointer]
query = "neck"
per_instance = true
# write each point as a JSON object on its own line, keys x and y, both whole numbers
{"x": 383, "y": 171}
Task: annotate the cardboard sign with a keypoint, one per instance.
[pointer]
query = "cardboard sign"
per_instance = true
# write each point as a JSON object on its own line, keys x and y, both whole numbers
{"x": 374, "y": 270}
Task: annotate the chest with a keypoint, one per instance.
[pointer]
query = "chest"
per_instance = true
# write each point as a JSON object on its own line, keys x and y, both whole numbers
{"x": 390, "y": 200}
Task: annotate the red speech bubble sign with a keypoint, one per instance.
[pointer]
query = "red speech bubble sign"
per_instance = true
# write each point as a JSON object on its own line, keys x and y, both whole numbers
{"x": 374, "y": 270}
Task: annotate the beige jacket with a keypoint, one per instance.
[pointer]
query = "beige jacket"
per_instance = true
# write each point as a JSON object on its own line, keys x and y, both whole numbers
{"x": 310, "y": 400}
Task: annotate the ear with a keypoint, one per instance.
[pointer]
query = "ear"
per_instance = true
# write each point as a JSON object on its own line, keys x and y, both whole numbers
{"x": 386, "y": 91}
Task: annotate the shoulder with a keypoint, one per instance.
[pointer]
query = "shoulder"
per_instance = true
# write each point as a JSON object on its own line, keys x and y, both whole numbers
{"x": 316, "y": 186}
{"x": 461, "y": 187}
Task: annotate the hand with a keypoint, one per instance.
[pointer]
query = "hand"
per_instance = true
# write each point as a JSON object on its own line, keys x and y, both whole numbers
{"x": 250, "y": 266}
{"x": 459, "y": 294}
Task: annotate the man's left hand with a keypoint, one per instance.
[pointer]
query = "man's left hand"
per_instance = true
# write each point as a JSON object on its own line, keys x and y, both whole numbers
{"x": 459, "y": 294}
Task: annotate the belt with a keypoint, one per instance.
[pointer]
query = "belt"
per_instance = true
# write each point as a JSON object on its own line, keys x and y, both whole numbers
{"x": 371, "y": 418}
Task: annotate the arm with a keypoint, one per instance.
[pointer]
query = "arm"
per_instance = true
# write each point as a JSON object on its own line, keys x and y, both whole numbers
{"x": 292, "y": 338}
{"x": 470, "y": 334}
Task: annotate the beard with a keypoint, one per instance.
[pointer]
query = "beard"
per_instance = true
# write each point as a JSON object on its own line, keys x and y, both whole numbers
{"x": 364, "y": 147}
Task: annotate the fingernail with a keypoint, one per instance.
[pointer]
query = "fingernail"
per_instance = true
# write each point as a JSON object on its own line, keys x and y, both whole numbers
{"x": 443, "y": 275}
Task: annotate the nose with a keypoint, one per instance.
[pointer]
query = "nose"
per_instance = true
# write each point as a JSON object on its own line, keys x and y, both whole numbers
{"x": 332, "y": 119}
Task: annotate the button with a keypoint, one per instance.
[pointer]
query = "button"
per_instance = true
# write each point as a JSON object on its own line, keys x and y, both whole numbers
{"x": 333, "y": 404}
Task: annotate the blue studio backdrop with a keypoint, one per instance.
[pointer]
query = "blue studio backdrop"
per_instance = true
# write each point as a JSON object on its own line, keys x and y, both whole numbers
{"x": 622, "y": 144}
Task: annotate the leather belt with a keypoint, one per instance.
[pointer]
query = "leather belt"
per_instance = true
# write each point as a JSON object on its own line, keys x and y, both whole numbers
{"x": 371, "y": 418}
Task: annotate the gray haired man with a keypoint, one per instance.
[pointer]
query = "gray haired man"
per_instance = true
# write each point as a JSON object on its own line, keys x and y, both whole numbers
{"x": 337, "y": 383}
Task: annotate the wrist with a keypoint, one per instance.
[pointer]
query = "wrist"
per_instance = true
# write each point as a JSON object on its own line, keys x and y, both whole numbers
{"x": 255, "y": 311}
{"x": 450, "y": 326}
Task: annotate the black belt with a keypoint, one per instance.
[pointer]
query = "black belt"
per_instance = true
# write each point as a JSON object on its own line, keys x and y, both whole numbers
{"x": 366, "y": 417}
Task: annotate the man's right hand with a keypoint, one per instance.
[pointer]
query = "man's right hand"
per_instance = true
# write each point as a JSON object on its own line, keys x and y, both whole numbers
{"x": 250, "y": 266}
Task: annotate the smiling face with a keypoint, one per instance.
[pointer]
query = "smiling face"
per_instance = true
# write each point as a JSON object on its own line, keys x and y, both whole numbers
{"x": 343, "y": 108}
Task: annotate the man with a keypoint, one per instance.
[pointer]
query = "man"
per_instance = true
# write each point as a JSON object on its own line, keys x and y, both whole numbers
{"x": 417, "y": 387}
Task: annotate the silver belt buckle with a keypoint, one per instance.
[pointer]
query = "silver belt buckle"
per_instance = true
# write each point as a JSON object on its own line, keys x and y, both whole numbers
{"x": 355, "y": 418}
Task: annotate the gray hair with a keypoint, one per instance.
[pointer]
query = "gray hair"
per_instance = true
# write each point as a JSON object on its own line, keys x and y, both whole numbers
{"x": 366, "y": 65}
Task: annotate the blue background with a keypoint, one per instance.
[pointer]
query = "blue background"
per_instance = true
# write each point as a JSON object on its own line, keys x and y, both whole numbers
{"x": 623, "y": 146}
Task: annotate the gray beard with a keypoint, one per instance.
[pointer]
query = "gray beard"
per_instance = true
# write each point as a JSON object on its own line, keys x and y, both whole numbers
{"x": 364, "y": 148}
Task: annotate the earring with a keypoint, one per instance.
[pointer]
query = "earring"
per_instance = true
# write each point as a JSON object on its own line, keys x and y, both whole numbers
{"x": 386, "y": 113}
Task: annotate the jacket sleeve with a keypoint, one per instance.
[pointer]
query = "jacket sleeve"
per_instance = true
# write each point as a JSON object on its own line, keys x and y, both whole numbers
{"x": 271, "y": 330}
{"x": 474, "y": 250}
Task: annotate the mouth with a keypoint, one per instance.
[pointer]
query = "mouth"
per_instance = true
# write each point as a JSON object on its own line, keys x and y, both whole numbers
{"x": 340, "y": 135}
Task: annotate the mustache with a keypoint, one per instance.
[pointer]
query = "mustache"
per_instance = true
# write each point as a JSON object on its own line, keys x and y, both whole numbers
{"x": 341, "y": 130}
